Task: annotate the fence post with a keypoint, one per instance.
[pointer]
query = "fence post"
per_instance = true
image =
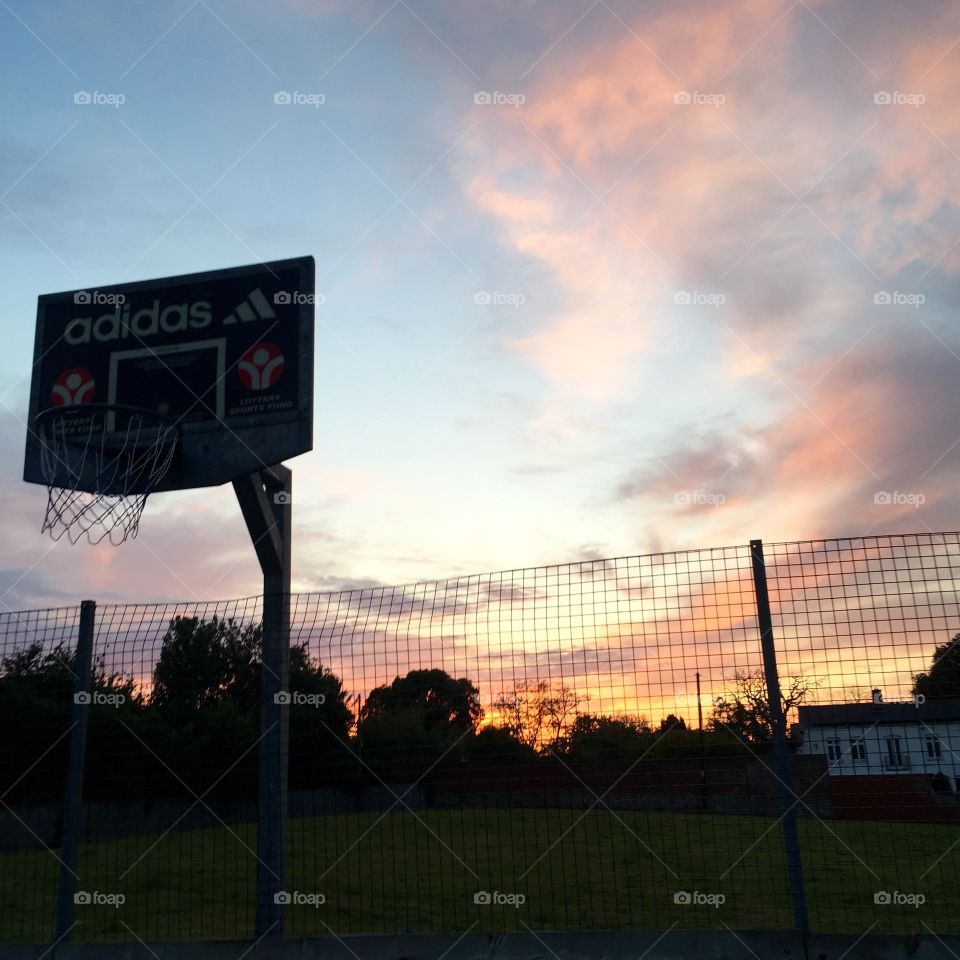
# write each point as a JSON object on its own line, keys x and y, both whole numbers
{"x": 73, "y": 795}
{"x": 778, "y": 725}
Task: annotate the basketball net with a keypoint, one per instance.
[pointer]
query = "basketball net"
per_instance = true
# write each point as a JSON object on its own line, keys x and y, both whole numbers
{"x": 118, "y": 470}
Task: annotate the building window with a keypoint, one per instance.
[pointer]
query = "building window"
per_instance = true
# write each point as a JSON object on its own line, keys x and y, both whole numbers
{"x": 858, "y": 749}
{"x": 833, "y": 750}
{"x": 933, "y": 747}
{"x": 894, "y": 754}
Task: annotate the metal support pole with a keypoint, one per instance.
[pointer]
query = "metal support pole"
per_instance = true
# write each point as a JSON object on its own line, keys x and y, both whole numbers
{"x": 266, "y": 501}
{"x": 73, "y": 795}
{"x": 781, "y": 760}
{"x": 703, "y": 760}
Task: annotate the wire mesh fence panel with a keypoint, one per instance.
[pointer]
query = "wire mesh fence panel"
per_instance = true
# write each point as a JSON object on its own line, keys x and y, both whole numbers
{"x": 36, "y": 695}
{"x": 583, "y": 746}
{"x": 525, "y": 749}
{"x": 168, "y": 844}
{"x": 867, "y": 644}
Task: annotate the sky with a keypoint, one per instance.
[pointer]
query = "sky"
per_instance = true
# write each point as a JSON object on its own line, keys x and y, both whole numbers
{"x": 598, "y": 278}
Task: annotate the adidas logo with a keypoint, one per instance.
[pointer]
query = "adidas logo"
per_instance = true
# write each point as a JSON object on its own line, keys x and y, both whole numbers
{"x": 254, "y": 307}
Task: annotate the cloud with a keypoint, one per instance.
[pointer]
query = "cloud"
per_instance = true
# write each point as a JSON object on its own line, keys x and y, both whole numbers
{"x": 796, "y": 199}
{"x": 881, "y": 421}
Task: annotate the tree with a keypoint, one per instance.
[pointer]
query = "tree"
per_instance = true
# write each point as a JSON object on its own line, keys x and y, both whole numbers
{"x": 439, "y": 700}
{"x": 497, "y": 746}
{"x": 320, "y": 722}
{"x": 537, "y": 713}
{"x": 672, "y": 722}
{"x": 206, "y": 686}
{"x": 595, "y": 737}
{"x": 203, "y": 663}
{"x": 745, "y": 710}
{"x": 943, "y": 678}
{"x": 36, "y": 700}
{"x": 406, "y": 727}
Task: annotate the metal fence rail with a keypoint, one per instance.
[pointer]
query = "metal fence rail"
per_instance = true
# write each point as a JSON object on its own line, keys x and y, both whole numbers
{"x": 583, "y": 746}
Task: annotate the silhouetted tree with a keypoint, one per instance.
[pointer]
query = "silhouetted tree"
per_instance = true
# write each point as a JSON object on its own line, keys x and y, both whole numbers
{"x": 745, "y": 710}
{"x": 320, "y": 722}
{"x": 596, "y": 737}
{"x": 206, "y": 685}
{"x": 497, "y": 745}
{"x": 943, "y": 677}
{"x": 36, "y": 700}
{"x": 203, "y": 663}
{"x": 411, "y": 724}
{"x": 672, "y": 722}
{"x": 537, "y": 713}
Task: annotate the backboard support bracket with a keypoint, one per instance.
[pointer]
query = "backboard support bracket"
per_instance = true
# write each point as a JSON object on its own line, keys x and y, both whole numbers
{"x": 265, "y": 499}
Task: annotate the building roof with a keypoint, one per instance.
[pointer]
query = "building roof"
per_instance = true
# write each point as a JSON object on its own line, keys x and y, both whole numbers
{"x": 838, "y": 714}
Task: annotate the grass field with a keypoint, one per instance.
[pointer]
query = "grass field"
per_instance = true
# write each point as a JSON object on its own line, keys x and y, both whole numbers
{"x": 404, "y": 872}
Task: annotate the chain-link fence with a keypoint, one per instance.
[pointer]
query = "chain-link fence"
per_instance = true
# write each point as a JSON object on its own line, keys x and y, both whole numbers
{"x": 584, "y": 746}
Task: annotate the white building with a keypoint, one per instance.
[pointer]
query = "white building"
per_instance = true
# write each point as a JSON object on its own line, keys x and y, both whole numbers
{"x": 885, "y": 738}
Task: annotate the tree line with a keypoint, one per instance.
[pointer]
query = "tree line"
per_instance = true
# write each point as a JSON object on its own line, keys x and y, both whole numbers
{"x": 195, "y": 730}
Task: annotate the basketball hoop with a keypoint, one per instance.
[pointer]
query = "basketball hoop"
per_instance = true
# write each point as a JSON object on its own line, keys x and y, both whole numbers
{"x": 100, "y": 462}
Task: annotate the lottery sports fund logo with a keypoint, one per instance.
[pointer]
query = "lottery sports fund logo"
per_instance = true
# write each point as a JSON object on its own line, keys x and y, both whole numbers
{"x": 73, "y": 386}
{"x": 261, "y": 366}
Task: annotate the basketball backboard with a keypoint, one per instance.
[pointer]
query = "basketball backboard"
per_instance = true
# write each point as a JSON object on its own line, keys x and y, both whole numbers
{"x": 226, "y": 356}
